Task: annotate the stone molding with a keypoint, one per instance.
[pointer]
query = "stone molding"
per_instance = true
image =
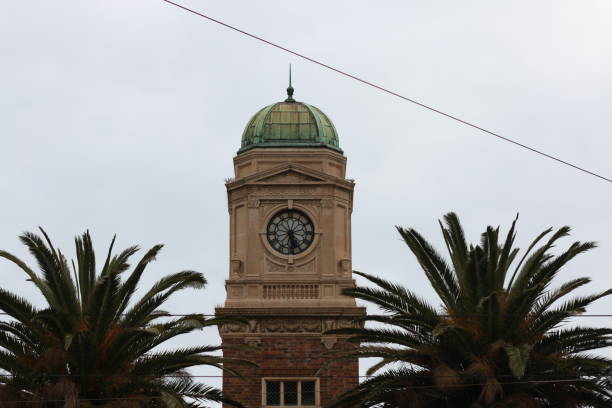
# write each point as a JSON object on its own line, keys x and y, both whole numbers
{"x": 330, "y": 312}
{"x": 290, "y": 176}
{"x": 322, "y": 161}
{"x": 288, "y": 173}
{"x": 287, "y": 325}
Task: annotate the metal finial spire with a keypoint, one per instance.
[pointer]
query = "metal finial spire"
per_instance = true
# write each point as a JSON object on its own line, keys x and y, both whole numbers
{"x": 290, "y": 89}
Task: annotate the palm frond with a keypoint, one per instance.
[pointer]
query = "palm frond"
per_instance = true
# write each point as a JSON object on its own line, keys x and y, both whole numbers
{"x": 437, "y": 271}
{"x": 60, "y": 351}
{"x": 492, "y": 341}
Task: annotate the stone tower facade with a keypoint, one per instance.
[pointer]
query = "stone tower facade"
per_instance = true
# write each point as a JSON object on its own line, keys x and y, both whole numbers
{"x": 290, "y": 211}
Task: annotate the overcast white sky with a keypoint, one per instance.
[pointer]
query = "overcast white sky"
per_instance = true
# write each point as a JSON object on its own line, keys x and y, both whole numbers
{"x": 123, "y": 117}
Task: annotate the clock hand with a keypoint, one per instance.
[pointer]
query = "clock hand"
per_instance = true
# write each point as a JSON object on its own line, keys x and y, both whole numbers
{"x": 292, "y": 241}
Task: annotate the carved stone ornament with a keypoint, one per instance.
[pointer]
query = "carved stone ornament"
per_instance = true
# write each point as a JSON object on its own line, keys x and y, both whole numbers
{"x": 234, "y": 328}
{"x": 253, "y": 325}
{"x": 288, "y": 325}
{"x": 252, "y": 203}
{"x": 292, "y": 325}
{"x": 311, "y": 326}
{"x": 329, "y": 342}
{"x": 236, "y": 266}
{"x": 273, "y": 326}
{"x": 345, "y": 266}
{"x": 327, "y": 203}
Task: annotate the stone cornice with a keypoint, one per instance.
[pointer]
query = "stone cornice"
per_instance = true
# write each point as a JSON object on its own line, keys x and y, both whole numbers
{"x": 289, "y": 152}
{"x": 299, "y": 323}
{"x": 325, "y": 179}
{"x": 291, "y": 311}
{"x": 283, "y": 279}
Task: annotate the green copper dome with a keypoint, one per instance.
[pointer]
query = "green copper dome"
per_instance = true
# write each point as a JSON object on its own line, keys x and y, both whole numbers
{"x": 289, "y": 124}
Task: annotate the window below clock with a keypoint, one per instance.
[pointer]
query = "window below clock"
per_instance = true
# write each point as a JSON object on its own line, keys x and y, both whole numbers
{"x": 290, "y": 392}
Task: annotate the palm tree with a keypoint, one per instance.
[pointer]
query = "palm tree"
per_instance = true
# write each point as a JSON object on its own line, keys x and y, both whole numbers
{"x": 498, "y": 338}
{"x": 93, "y": 344}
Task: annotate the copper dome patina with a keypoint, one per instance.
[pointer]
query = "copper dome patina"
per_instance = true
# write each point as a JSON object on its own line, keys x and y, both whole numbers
{"x": 289, "y": 124}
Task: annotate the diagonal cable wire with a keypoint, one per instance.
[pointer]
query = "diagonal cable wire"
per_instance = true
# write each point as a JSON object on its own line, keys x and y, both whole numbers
{"x": 380, "y": 88}
{"x": 541, "y": 377}
{"x": 137, "y": 398}
{"x": 338, "y": 315}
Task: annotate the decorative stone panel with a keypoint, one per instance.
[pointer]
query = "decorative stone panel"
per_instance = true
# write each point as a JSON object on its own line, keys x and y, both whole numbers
{"x": 268, "y": 325}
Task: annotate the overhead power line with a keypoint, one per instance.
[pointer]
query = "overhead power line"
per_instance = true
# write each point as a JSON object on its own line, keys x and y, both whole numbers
{"x": 39, "y": 401}
{"x": 336, "y": 315}
{"x": 380, "y": 88}
{"x": 135, "y": 398}
{"x": 535, "y": 378}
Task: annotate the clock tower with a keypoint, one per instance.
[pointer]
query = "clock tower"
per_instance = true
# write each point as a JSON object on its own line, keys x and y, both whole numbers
{"x": 290, "y": 208}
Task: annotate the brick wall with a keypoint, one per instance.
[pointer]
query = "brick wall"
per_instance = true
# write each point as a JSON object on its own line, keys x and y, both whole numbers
{"x": 290, "y": 356}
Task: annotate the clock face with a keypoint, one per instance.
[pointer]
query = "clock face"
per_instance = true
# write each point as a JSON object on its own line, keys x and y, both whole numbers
{"x": 290, "y": 232}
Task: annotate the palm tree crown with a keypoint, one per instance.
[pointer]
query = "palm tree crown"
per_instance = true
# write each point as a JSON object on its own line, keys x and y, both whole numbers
{"x": 497, "y": 340}
{"x": 93, "y": 344}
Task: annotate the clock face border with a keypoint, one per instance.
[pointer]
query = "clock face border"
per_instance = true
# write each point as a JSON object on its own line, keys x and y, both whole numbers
{"x": 263, "y": 232}
{"x": 290, "y": 231}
